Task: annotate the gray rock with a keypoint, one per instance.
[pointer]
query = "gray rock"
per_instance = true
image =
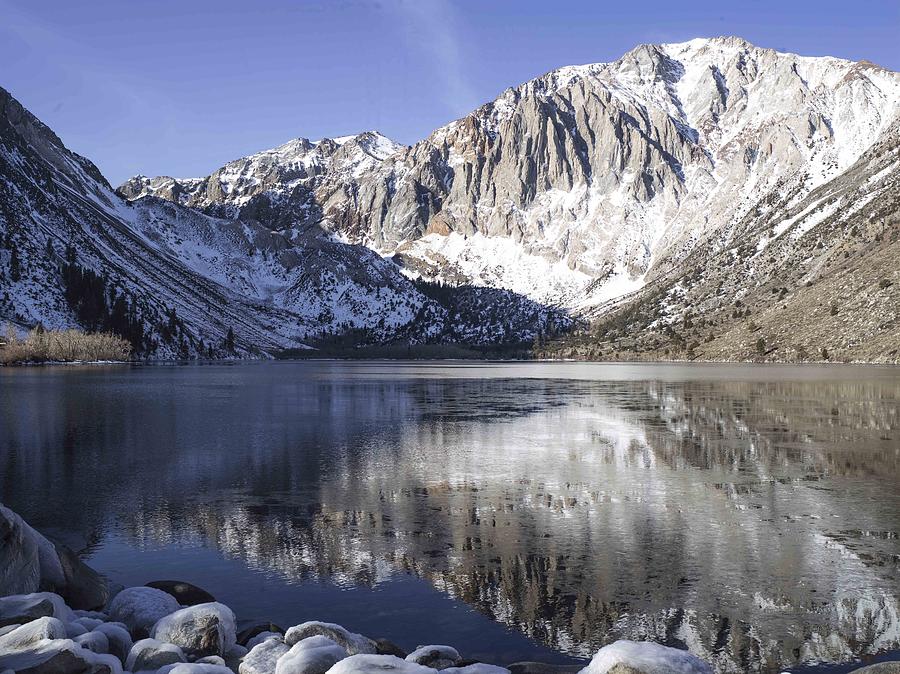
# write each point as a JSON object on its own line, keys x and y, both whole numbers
{"x": 353, "y": 643}
{"x": 88, "y": 623}
{"x": 141, "y": 607}
{"x": 28, "y": 561}
{"x": 262, "y": 657}
{"x": 436, "y": 657}
{"x": 377, "y": 664}
{"x": 74, "y": 629}
{"x": 23, "y": 636}
{"x": 93, "y": 641}
{"x": 119, "y": 639}
{"x": 212, "y": 660}
{"x": 234, "y": 657}
{"x": 83, "y": 588}
{"x": 185, "y": 593}
{"x": 644, "y": 657}
{"x": 201, "y": 630}
{"x": 59, "y": 656}
{"x": 313, "y": 655}
{"x": 96, "y": 615}
{"x": 194, "y": 668}
{"x": 248, "y": 633}
{"x": 264, "y": 636}
{"x": 388, "y": 647}
{"x": 151, "y": 655}
{"x": 880, "y": 668}
{"x": 477, "y": 668}
{"x": 23, "y": 608}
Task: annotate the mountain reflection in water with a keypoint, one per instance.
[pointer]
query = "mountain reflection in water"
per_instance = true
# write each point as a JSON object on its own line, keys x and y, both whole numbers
{"x": 750, "y": 514}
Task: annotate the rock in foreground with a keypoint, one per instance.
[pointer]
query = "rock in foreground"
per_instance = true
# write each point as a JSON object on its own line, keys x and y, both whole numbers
{"x": 644, "y": 657}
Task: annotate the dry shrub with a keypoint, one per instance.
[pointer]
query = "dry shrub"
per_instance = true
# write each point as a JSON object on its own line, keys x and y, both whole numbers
{"x": 63, "y": 346}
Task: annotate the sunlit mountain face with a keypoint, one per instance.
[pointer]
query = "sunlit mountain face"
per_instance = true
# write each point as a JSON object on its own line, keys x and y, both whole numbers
{"x": 751, "y": 515}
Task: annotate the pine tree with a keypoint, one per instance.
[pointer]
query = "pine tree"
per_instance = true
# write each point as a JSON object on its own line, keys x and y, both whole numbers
{"x": 229, "y": 341}
{"x": 50, "y": 251}
{"x": 15, "y": 267}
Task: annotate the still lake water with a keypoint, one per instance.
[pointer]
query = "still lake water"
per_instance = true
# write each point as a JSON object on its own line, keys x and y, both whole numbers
{"x": 516, "y": 511}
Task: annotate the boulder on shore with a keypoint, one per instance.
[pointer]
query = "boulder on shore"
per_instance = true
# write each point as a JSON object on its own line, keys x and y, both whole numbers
{"x": 151, "y": 655}
{"x": 353, "y": 643}
{"x": 201, "y": 630}
{"x": 19, "y": 609}
{"x": 24, "y": 636}
{"x": 377, "y": 664}
{"x": 644, "y": 657}
{"x": 30, "y": 562}
{"x": 59, "y": 656}
{"x": 140, "y": 608}
{"x": 261, "y": 659}
{"x": 436, "y": 657}
{"x": 313, "y": 655}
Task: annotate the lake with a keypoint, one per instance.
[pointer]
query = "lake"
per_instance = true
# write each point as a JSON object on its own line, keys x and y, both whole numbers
{"x": 513, "y": 510}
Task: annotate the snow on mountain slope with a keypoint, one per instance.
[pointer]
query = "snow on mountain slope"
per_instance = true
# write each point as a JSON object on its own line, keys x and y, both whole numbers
{"x": 181, "y": 280}
{"x": 583, "y": 184}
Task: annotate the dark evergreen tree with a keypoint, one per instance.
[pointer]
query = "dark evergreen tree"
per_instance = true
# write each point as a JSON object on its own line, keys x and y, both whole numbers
{"x": 15, "y": 267}
{"x": 229, "y": 341}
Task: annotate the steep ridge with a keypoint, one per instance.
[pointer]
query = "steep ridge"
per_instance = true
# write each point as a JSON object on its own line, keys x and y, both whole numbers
{"x": 815, "y": 278}
{"x": 586, "y": 183}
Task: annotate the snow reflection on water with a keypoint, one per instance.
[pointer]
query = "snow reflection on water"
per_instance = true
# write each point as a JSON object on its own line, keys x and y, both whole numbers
{"x": 750, "y": 514}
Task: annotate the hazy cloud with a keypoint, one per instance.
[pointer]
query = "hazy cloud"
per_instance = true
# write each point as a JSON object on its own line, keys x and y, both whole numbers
{"x": 432, "y": 27}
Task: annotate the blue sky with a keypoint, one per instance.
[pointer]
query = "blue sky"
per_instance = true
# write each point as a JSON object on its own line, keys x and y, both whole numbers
{"x": 179, "y": 88}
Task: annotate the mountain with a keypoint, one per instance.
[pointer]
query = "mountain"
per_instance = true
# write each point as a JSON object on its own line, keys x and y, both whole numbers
{"x": 178, "y": 281}
{"x": 640, "y": 195}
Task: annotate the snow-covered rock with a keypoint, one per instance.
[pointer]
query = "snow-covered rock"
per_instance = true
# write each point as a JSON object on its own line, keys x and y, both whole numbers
{"x": 313, "y": 655}
{"x": 151, "y": 654}
{"x": 436, "y": 657}
{"x": 119, "y": 639}
{"x": 261, "y": 657}
{"x": 95, "y": 615}
{"x": 89, "y": 623}
{"x": 141, "y": 607}
{"x": 194, "y": 668}
{"x": 264, "y": 636}
{"x": 22, "y": 608}
{"x": 378, "y": 664}
{"x": 234, "y": 657}
{"x": 60, "y": 656}
{"x": 354, "y": 643}
{"x": 75, "y": 629}
{"x": 477, "y": 668}
{"x": 28, "y": 560}
{"x": 211, "y": 660}
{"x": 644, "y": 657}
{"x": 93, "y": 641}
{"x": 204, "y": 629}
{"x": 23, "y": 636}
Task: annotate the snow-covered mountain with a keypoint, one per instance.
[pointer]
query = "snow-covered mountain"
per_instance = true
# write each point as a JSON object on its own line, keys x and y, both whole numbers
{"x": 180, "y": 280}
{"x": 575, "y": 192}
